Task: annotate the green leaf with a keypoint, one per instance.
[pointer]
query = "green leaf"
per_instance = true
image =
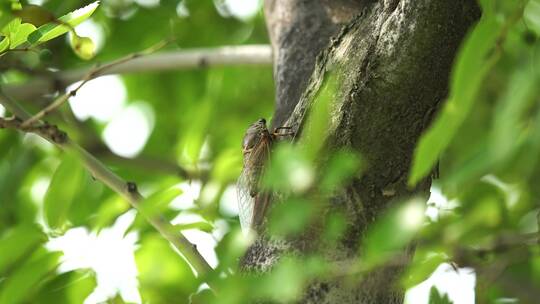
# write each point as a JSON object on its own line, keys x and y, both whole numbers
{"x": 203, "y": 226}
{"x": 18, "y": 242}
{"x": 318, "y": 122}
{"x": 34, "y": 14}
{"x": 392, "y": 232}
{"x": 4, "y": 44}
{"x": 470, "y": 70}
{"x": 290, "y": 217}
{"x": 342, "y": 166}
{"x": 66, "y": 288}
{"x": 289, "y": 170}
{"x": 52, "y": 30}
{"x": 23, "y": 282}
{"x": 158, "y": 202}
{"x": 89, "y": 200}
{"x": 65, "y": 184}
{"x": 5, "y": 18}
{"x": 289, "y": 277}
{"x": 531, "y": 15}
{"x": 424, "y": 264}
{"x": 165, "y": 279}
{"x": 438, "y": 298}
{"x": 513, "y": 106}
{"x": 84, "y": 47}
{"x": 155, "y": 204}
{"x": 17, "y": 32}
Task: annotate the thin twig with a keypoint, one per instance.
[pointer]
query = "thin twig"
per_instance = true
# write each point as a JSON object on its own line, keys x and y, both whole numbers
{"x": 163, "y": 61}
{"x": 58, "y": 102}
{"x": 128, "y": 190}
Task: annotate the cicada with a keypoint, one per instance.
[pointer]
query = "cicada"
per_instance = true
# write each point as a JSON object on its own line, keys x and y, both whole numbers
{"x": 253, "y": 201}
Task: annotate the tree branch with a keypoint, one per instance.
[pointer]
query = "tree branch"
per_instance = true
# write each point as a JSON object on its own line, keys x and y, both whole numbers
{"x": 91, "y": 74}
{"x": 166, "y": 61}
{"x": 128, "y": 190}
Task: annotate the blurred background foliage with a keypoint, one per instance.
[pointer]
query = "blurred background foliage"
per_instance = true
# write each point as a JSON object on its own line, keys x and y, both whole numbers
{"x": 486, "y": 139}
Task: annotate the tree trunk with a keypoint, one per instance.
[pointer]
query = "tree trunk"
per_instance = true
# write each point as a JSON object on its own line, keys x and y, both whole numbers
{"x": 392, "y": 61}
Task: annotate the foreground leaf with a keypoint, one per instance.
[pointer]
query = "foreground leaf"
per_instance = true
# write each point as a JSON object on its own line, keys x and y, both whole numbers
{"x": 531, "y": 15}
{"x": 34, "y": 14}
{"x": 22, "y": 283}
{"x": 393, "y": 232}
{"x": 17, "y": 32}
{"x": 17, "y": 243}
{"x": 64, "y": 186}
{"x": 436, "y": 297}
{"x": 66, "y": 288}
{"x": 64, "y": 24}
{"x": 471, "y": 68}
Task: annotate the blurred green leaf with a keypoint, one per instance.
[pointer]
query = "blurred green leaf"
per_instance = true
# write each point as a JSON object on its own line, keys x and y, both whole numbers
{"x": 158, "y": 202}
{"x": 227, "y": 166}
{"x": 509, "y": 125}
{"x": 335, "y": 227}
{"x": 110, "y": 209}
{"x": 535, "y": 265}
{"x": 18, "y": 242}
{"x": 88, "y": 200}
{"x": 531, "y": 15}
{"x": 316, "y": 123}
{"x": 67, "y": 288}
{"x": 165, "y": 279}
{"x": 23, "y": 282}
{"x": 289, "y": 170}
{"x": 16, "y": 32}
{"x": 34, "y": 14}
{"x": 435, "y": 297}
{"x": 473, "y": 63}
{"x": 289, "y": 277}
{"x": 392, "y": 232}
{"x": 45, "y": 55}
{"x": 291, "y": 217}
{"x": 64, "y": 186}
{"x": 232, "y": 247}
{"x": 203, "y": 226}
{"x": 17, "y": 161}
{"x": 425, "y": 262}
{"x": 342, "y": 166}
{"x": 202, "y": 297}
{"x": 5, "y": 17}
{"x": 190, "y": 146}
{"x": 64, "y": 24}
{"x": 4, "y": 44}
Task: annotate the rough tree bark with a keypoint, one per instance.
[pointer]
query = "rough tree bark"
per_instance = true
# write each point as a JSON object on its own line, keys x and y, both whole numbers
{"x": 392, "y": 59}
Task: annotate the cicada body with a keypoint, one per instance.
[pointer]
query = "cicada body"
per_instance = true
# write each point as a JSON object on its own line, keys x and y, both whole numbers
{"x": 252, "y": 200}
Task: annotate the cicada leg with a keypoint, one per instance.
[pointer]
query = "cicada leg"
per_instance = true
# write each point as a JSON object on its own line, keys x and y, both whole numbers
{"x": 277, "y": 132}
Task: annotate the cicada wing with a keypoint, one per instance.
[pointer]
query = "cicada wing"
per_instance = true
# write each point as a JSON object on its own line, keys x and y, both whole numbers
{"x": 248, "y": 185}
{"x": 246, "y": 202}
